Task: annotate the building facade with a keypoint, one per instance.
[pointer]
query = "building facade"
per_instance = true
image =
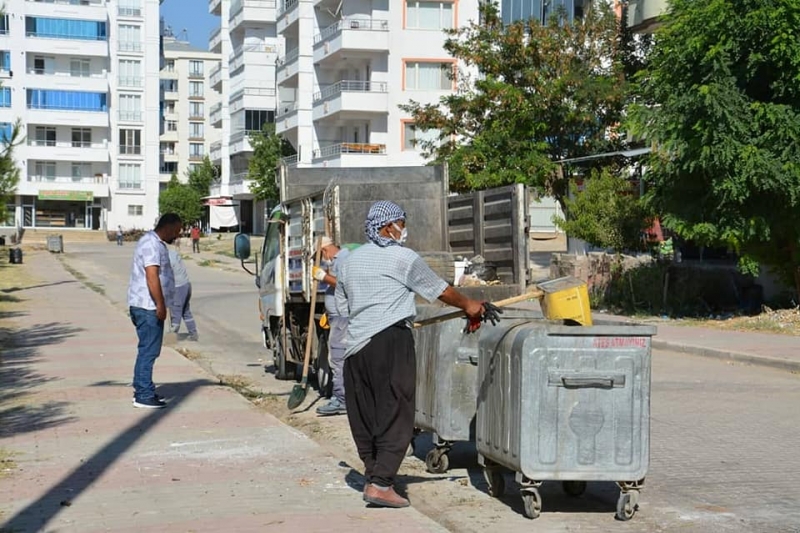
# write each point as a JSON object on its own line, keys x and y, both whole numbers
{"x": 186, "y": 102}
{"x": 83, "y": 80}
{"x": 514, "y": 10}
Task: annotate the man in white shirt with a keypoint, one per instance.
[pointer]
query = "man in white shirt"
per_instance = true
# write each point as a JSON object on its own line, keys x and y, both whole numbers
{"x": 179, "y": 308}
{"x": 150, "y": 289}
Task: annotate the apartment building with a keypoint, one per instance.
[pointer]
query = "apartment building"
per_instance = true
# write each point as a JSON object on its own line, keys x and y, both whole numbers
{"x": 245, "y": 77}
{"x": 347, "y": 67}
{"x": 514, "y": 10}
{"x": 82, "y": 77}
{"x": 643, "y": 14}
{"x": 186, "y": 101}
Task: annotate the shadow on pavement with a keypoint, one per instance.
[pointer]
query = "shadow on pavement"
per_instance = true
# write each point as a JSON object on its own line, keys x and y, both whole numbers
{"x": 20, "y": 349}
{"x": 17, "y": 289}
{"x": 37, "y": 514}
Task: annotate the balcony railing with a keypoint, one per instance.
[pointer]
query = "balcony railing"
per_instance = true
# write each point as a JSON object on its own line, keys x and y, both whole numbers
{"x": 197, "y": 157}
{"x": 290, "y": 56}
{"x": 351, "y": 86}
{"x": 239, "y": 177}
{"x": 130, "y": 116}
{"x": 96, "y": 3}
{"x": 350, "y": 148}
{"x": 351, "y": 24}
{"x": 286, "y": 6}
{"x": 129, "y": 11}
{"x": 168, "y": 151}
{"x": 237, "y": 5}
{"x": 286, "y": 109}
{"x": 68, "y": 144}
{"x": 100, "y": 178}
{"x": 131, "y": 149}
{"x": 290, "y": 160}
{"x": 68, "y": 36}
{"x": 66, "y": 73}
{"x": 129, "y": 46}
{"x": 253, "y": 91}
{"x": 59, "y": 107}
{"x": 130, "y": 81}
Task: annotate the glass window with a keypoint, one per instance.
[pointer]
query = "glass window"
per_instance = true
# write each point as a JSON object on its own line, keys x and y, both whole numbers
{"x": 130, "y": 142}
{"x": 4, "y": 24}
{"x": 196, "y": 88}
{"x": 196, "y": 150}
{"x": 5, "y": 97}
{"x": 195, "y": 68}
{"x": 5, "y": 60}
{"x": 81, "y": 137}
{"x": 45, "y": 170}
{"x": 428, "y": 76}
{"x": 81, "y": 170}
{"x": 66, "y": 100}
{"x": 422, "y": 15}
{"x": 130, "y": 176}
{"x": 135, "y": 210}
{"x": 80, "y": 67}
{"x": 130, "y": 38}
{"x": 130, "y": 73}
{"x": 6, "y": 131}
{"x": 196, "y": 130}
{"x": 130, "y": 107}
{"x": 196, "y": 109}
{"x": 272, "y": 239}
{"x": 254, "y": 119}
{"x": 412, "y": 136}
{"x": 84, "y": 30}
{"x": 172, "y": 125}
{"x": 44, "y": 136}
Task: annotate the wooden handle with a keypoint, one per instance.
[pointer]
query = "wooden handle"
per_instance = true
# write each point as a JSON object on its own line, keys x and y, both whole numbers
{"x": 311, "y": 330}
{"x": 530, "y": 295}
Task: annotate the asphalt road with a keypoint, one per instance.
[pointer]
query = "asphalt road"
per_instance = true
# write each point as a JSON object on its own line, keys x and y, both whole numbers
{"x": 723, "y": 441}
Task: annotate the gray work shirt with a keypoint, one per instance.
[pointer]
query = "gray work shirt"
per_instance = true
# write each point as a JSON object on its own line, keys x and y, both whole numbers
{"x": 330, "y": 298}
{"x": 178, "y": 268}
{"x": 377, "y": 285}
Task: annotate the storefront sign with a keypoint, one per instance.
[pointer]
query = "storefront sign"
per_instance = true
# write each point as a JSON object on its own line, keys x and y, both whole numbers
{"x": 70, "y": 196}
{"x": 219, "y": 200}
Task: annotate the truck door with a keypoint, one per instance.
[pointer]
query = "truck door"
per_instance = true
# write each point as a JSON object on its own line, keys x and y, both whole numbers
{"x": 271, "y": 292}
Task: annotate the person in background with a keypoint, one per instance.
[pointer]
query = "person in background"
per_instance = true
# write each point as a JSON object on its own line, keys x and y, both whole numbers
{"x": 151, "y": 286}
{"x": 376, "y": 285}
{"x": 337, "y": 319}
{"x": 179, "y": 308}
{"x": 195, "y": 236}
{"x": 120, "y": 235}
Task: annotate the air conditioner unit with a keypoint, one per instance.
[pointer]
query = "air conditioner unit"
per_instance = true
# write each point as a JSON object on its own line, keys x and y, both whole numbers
{"x": 353, "y": 24}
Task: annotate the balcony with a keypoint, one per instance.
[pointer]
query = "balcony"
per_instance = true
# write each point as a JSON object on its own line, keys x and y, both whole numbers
{"x": 290, "y": 160}
{"x": 286, "y": 117}
{"x": 130, "y": 82}
{"x": 61, "y": 116}
{"x": 169, "y": 156}
{"x": 197, "y": 157}
{"x": 168, "y": 73}
{"x": 215, "y": 7}
{"x": 67, "y": 151}
{"x": 356, "y": 99}
{"x": 365, "y": 36}
{"x": 170, "y": 95}
{"x": 65, "y": 81}
{"x": 286, "y": 9}
{"x": 215, "y": 115}
{"x": 96, "y": 185}
{"x": 288, "y": 66}
{"x": 215, "y": 151}
{"x": 262, "y": 11}
{"x": 169, "y": 136}
{"x": 129, "y": 47}
{"x": 215, "y": 78}
{"x": 350, "y": 155}
{"x": 85, "y": 9}
{"x": 252, "y": 55}
{"x": 47, "y": 42}
{"x": 240, "y": 142}
{"x": 130, "y": 12}
{"x": 252, "y": 97}
{"x": 131, "y": 116}
{"x": 215, "y": 40}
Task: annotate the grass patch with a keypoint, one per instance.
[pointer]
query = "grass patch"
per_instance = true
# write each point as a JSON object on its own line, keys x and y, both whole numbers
{"x": 207, "y": 263}
{"x": 241, "y": 385}
{"x": 780, "y": 321}
{"x": 7, "y": 463}
{"x": 226, "y": 253}
{"x": 99, "y": 289}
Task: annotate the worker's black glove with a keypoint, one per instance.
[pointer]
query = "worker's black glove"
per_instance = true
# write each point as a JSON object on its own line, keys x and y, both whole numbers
{"x": 491, "y": 313}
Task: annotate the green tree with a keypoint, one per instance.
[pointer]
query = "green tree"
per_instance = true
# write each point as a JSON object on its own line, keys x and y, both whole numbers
{"x": 9, "y": 171}
{"x": 181, "y": 199}
{"x": 607, "y": 213}
{"x": 542, "y": 93}
{"x": 202, "y": 177}
{"x": 721, "y": 103}
{"x": 268, "y": 149}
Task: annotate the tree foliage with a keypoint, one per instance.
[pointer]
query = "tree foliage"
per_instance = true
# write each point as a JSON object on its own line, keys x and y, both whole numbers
{"x": 202, "y": 177}
{"x": 9, "y": 171}
{"x": 182, "y": 199}
{"x": 607, "y": 213}
{"x": 268, "y": 149}
{"x": 721, "y": 101}
{"x": 541, "y": 93}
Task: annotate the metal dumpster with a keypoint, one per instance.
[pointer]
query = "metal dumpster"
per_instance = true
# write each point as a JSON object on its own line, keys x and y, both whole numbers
{"x": 55, "y": 244}
{"x": 447, "y": 375}
{"x": 565, "y": 403}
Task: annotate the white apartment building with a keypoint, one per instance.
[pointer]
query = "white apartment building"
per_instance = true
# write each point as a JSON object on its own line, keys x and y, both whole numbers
{"x": 247, "y": 42}
{"x": 83, "y": 79}
{"x": 349, "y": 64}
{"x": 187, "y": 99}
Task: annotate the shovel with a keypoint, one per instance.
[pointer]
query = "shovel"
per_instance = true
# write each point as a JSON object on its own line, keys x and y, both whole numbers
{"x": 299, "y": 391}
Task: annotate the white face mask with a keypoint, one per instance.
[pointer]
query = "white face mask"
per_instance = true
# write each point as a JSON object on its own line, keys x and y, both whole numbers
{"x": 403, "y": 234}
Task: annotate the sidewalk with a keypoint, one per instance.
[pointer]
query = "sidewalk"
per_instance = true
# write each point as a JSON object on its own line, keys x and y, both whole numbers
{"x": 86, "y": 460}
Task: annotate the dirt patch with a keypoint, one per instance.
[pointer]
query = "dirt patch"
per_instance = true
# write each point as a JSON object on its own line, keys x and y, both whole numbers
{"x": 7, "y": 464}
{"x": 99, "y": 289}
{"x": 780, "y": 321}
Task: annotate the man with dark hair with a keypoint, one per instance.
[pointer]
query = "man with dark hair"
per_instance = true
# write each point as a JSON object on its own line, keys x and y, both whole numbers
{"x": 150, "y": 290}
{"x": 376, "y": 287}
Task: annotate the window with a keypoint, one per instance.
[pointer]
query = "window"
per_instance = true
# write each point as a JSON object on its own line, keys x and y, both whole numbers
{"x": 82, "y": 30}
{"x": 428, "y": 76}
{"x": 130, "y": 38}
{"x": 81, "y": 170}
{"x": 196, "y": 130}
{"x": 426, "y": 15}
{"x": 169, "y": 86}
{"x": 66, "y": 100}
{"x": 196, "y": 109}
{"x": 196, "y": 88}
{"x": 5, "y": 60}
{"x": 169, "y": 167}
{"x": 130, "y": 73}
{"x": 130, "y": 142}
{"x": 168, "y": 148}
{"x": 130, "y": 176}
{"x": 130, "y": 107}
{"x": 4, "y": 24}
{"x": 169, "y": 66}
{"x": 193, "y": 167}
{"x": 196, "y": 150}
{"x": 135, "y": 210}
{"x": 412, "y": 136}
{"x": 45, "y": 170}
{"x": 129, "y": 8}
{"x": 5, "y": 97}
{"x": 44, "y": 136}
{"x": 196, "y": 68}
{"x": 172, "y": 125}
{"x": 254, "y": 119}
{"x": 81, "y": 137}
{"x": 80, "y": 68}
{"x": 6, "y": 131}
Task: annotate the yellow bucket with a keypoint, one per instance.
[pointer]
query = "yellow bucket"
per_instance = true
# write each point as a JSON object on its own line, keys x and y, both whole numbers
{"x": 566, "y": 299}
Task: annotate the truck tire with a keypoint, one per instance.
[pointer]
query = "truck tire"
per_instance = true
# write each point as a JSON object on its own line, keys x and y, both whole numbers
{"x": 443, "y": 263}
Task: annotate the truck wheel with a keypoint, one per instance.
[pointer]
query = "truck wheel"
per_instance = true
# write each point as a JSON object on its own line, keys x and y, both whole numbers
{"x": 443, "y": 263}
{"x": 284, "y": 370}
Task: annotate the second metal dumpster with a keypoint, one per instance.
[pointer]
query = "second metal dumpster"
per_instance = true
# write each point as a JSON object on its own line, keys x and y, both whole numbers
{"x": 55, "y": 244}
{"x": 565, "y": 403}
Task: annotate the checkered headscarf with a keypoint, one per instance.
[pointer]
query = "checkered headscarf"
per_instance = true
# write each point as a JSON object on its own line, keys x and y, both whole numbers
{"x": 380, "y": 214}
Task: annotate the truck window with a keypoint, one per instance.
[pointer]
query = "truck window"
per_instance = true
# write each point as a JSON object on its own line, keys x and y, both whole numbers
{"x": 272, "y": 240}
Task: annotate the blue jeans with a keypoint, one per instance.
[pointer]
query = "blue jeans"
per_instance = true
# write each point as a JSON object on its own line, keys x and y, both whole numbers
{"x": 150, "y": 331}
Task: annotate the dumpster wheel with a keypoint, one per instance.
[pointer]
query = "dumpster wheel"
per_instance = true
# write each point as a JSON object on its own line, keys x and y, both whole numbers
{"x": 627, "y": 505}
{"x": 437, "y": 461}
{"x": 532, "y": 502}
{"x": 497, "y": 482}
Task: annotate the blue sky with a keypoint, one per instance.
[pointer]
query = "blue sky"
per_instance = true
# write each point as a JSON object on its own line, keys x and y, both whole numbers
{"x": 193, "y": 16}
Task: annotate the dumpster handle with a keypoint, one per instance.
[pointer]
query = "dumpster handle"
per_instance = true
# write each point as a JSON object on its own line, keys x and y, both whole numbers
{"x": 578, "y": 380}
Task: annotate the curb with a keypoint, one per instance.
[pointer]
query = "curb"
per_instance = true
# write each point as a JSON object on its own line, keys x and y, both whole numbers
{"x": 726, "y": 355}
